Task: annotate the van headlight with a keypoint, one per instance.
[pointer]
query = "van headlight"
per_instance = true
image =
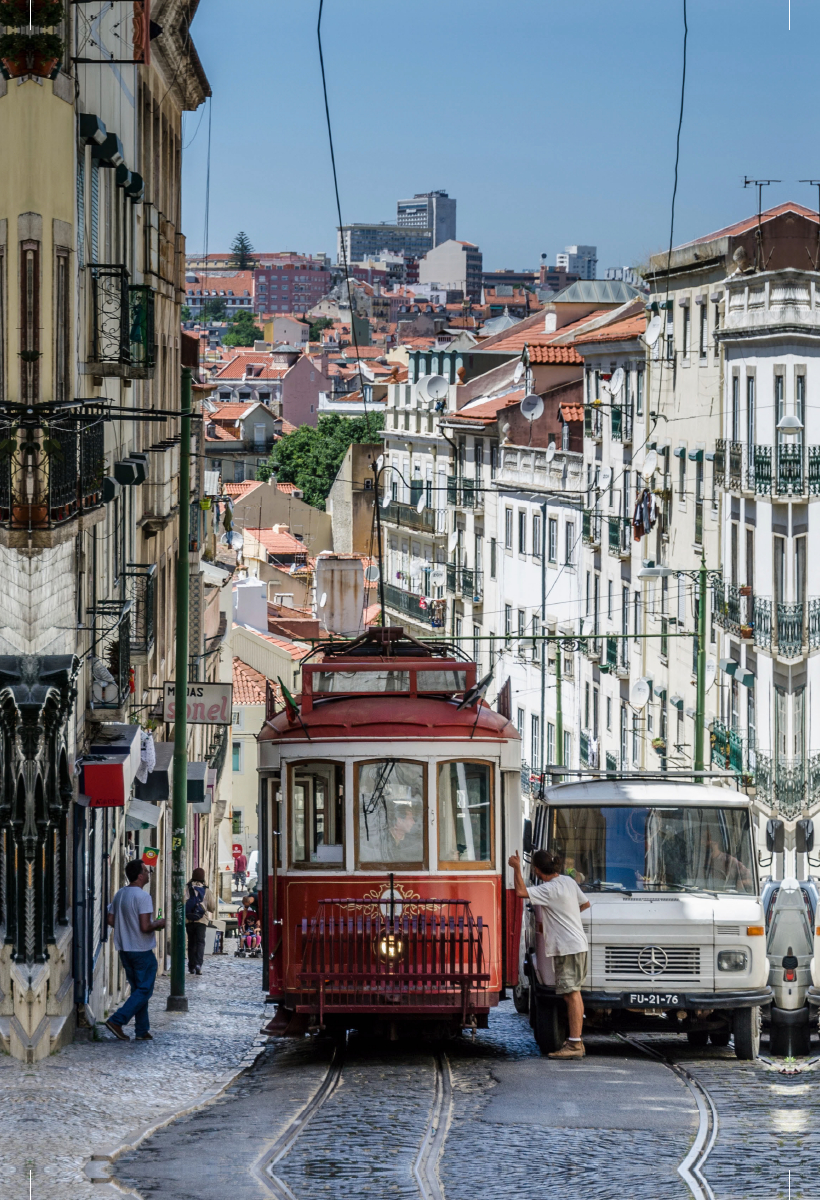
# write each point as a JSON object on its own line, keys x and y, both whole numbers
{"x": 732, "y": 960}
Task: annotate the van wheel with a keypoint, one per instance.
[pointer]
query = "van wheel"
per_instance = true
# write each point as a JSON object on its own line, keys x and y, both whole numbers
{"x": 521, "y": 998}
{"x": 800, "y": 1041}
{"x": 697, "y": 1037}
{"x": 551, "y": 1027}
{"x": 746, "y": 1028}
{"x": 778, "y": 1040}
{"x": 720, "y": 1037}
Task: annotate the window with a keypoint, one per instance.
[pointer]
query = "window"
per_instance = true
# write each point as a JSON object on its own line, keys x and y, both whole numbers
{"x": 477, "y": 645}
{"x": 493, "y": 460}
{"x": 508, "y": 529}
{"x": 522, "y": 622}
{"x": 552, "y": 539}
{"x": 569, "y": 543}
{"x": 237, "y": 718}
{"x": 687, "y": 328}
{"x": 465, "y": 825}
{"x": 391, "y": 824}
{"x": 639, "y": 394}
{"x": 704, "y": 332}
{"x": 236, "y": 751}
{"x": 586, "y": 705}
{"x": 237, "y": 822}
{"x": 536, "y": 644}
{"x": 567, "y": 748}
{"x": 587, "y": 597}
{"x": 522, "y": 531}
{"x": 317, "y": 814}
{"x": 519, "y": 722}
{"x": 62, "y": 327}
{"x": 624, "y": 736}
{"x": 682, "y": 478}
{"x": 550, "y": 747}
{"x": 535, "y": 742}
{"x": 493, "y": 554}
{"x": 536, "y": 535}
{"x": 609, "y": 589}
{"x": 750, "y": 406}
{"x": 636, "y": 745}
{"x": 507, "y": 619}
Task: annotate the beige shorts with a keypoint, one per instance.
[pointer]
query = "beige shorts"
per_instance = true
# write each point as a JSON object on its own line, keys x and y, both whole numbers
{"x": 570, "y": 972}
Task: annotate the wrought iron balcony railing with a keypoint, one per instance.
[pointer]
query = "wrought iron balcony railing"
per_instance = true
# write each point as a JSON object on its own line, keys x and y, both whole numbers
{"x": 429, "y": 520}
{"x": 51, "y": 473}
{"x": 763, "y": 622}
{"x": 790, "y": 629}
{"x": 431, "y": 612}
{"x": 620, "y": 537}
{"x": 591, "y": 527}
{"x": 727, "y": 748}
{"x": 122, "y": 322}
{"x": 464, "y": 493}
{"x": 465, "y": 581}
{"x": 794, "y": 472}
{"x": 109, "y": 662}
{"x": 141, "y": 584}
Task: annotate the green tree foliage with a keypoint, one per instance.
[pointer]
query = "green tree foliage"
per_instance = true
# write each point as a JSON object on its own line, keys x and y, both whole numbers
{"x": 242, "y": 332}
{"x": 310, "y": 458}
{"x": 317, "y": 326}
{"x": 242, "y": 252}
{"x": 185, "y": 313}
{"x": 213, "y": 310}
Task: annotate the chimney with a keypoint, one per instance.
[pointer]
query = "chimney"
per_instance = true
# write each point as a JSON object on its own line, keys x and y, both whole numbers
{"x": 550, "y": 320}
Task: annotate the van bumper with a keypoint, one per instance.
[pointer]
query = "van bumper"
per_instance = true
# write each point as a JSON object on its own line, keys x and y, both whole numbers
{"x": 688, "y": 1000}
{"x": 790, "y": 1016}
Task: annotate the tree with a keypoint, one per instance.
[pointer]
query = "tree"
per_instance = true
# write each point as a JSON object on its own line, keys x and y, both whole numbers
{"x": 242, "y": 330}
{"x": 242, "y": 252}
{"x": 213, "y": 310}
{"x": 311, "y": 458}
{"x": 317, "y": 326}
{"x": 185, "y": 313}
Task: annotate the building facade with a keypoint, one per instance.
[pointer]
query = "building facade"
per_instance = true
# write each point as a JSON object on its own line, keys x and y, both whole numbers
{"x": 454, "y": 266}
{"x": 435, "y": 211}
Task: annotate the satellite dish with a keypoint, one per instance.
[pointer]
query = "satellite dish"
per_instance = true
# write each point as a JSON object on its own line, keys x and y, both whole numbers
{"x": 233, "y": 539}
{"x": 650, "y": 464}
{"x": 452, "y": 541}
{"x": 372, "y": 573}
{"x": 550, "y": 452}
{"x": 323, "y": 600}
{"x": 505, "y": 428}
{"x": 653, "y": 331}
{"x": 380, "y": 462}
{"x": 639, "y": 694}
{"x": 532, "y": 407}
{"x": 436, "y": 387}
{"x": 605, "y": 478}
{"x": 616, "y": 382}
{"x": 437, "y": 576}
{"x": 421, "y": 503}
{"x": 386, "y": 499}
{"x": 518, "y": 372}
{"x": 711, "y": 672}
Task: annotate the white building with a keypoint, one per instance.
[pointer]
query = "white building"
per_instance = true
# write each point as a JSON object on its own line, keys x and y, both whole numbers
{"x": 579, "y": 260}
{"x": 453, "y": 266}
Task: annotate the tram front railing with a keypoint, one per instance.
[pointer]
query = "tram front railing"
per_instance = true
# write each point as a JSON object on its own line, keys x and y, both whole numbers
{"x": 425, "y": 956}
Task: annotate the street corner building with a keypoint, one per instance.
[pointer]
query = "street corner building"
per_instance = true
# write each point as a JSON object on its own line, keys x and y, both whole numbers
{"x": 91, "y": 283}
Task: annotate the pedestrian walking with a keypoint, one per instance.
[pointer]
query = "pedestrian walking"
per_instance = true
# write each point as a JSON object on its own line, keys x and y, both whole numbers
{"x": 240, "y": 867}
{"x": 198, "y": 904}
{"x": 561, "y": 902}
{"x": 130, "y": 915}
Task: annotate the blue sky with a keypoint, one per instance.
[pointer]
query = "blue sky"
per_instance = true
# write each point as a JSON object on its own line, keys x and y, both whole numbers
{"x": 551, "y": 123}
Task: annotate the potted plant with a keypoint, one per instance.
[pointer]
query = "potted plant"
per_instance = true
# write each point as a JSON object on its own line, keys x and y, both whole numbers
{"x": 747, "y": 631}
{"x": 659, "y": 744}
{"x": 30, "y": 50}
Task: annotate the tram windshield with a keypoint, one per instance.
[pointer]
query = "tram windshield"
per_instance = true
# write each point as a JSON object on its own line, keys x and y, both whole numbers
{"x": 654, "y": 849}
{"x": 464, "y": 813}
{"x": 391, "y": 812}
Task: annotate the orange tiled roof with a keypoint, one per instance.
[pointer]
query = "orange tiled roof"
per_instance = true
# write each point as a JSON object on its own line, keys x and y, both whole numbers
{"x": 278, "y": 543}
{"x": 229, "y": 411}
{"x": 219, "y": 434}
{"x": 287, "y": 427}
{"x": 296, "y": 650}
{"x": 554, "y": 354}
{"x": 248, "y": 684}
{"x": 237, "y": 490}
{"x": 571, "y": 412}
{"x": 618, "y": 331}
{"x": 750, "y": 222}
{"x": 488, "y": 410}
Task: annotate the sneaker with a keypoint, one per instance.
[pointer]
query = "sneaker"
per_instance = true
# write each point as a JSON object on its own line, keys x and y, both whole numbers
{"x": 144, "y": 1037}
{"x": 199, "y": 970}
{"x": 117, "y": 1031}
{"x": 569, "y": 1050}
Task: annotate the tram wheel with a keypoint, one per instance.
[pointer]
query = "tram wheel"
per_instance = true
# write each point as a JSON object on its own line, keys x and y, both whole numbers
{"x": 521, "y": 998}
{"x": 746, "y": 1027}
{"x": 551, "y": 1026}
{"x": 698, "y": 1037}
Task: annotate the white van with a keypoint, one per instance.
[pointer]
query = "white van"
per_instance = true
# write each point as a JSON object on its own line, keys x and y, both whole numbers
{"x": 675, "y": 925}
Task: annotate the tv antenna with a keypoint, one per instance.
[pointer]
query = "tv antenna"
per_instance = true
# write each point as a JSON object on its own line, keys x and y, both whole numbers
{"x": 815, "y": 183}
{"x": 759, "y": 184}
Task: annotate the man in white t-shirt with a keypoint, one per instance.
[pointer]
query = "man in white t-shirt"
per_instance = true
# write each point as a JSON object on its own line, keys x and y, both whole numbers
{"x": 561, "y": 902}
{"x": 130, "y": 914}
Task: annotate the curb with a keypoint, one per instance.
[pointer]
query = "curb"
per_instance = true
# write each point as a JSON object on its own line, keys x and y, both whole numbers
{"x": 97, "y": 1168}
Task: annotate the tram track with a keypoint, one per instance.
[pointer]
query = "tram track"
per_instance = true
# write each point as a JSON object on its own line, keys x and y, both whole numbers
{"x": 691, "y": 1167}
{"x": 426, "y": 1161}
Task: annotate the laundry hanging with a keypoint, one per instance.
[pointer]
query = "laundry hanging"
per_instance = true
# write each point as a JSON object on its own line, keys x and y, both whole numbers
{"x": 645, "y": 516}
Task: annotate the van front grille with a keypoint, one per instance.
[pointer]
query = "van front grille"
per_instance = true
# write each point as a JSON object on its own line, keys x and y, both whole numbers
{"x": 652, "y": 962}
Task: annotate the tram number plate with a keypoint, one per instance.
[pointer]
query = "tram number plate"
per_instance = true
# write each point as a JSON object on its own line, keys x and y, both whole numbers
{"x": 653, "y": 999}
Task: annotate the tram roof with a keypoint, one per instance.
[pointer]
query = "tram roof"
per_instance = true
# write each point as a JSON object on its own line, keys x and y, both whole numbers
{"x": 642, "y": 792}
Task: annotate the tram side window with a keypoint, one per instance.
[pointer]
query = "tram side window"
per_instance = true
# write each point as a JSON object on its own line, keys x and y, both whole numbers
{"x": 318, "y": 814}
{"x": 391, "y": 813}
{"x": 465, "y": 813}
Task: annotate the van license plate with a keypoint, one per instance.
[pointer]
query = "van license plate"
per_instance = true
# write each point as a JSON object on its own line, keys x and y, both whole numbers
{"x": 653, "y": 1000}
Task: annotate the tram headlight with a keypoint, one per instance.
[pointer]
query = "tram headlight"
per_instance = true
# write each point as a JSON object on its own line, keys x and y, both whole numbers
{"x": 732, "y": 960}
{"x": 390, "y": 947}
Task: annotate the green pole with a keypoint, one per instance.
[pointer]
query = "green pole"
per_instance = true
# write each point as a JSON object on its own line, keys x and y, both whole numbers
{"x": 177, "y": 1000}
{"x": 700, "y": 716}
{"x": 559, "y": 712}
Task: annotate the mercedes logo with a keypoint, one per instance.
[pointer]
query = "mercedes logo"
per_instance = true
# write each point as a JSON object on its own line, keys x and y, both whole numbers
{"x": 652, "y": 960}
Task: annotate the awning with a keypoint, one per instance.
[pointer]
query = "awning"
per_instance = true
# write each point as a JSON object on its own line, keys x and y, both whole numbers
{"x": 728, "y": 666}
{"x": 158, "y": 784}
{"x": 141, "y": 813}
{"x": 197, "y": 779}
{"x": 676, "y": 702}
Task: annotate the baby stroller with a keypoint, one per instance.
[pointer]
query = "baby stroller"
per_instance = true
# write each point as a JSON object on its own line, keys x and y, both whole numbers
{"x": 250, "y": 940}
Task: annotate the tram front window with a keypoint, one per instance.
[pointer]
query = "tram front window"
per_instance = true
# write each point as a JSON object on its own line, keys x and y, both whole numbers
{"x": 654, "y": 849}
{"x": 464, "y": 813}
{"x": 391, "y": 813}
{"x": 318, "y": 814}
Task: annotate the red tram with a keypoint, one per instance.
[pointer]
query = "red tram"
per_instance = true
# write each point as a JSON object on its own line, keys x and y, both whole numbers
{"x": 389, "y": 803}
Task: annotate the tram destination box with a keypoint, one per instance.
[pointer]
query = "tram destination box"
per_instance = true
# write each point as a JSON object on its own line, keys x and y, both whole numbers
{"x": 208, "y": 703}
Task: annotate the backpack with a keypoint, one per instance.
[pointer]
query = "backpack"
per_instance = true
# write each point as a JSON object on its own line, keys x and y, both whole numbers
{"x": 194, "y": 907}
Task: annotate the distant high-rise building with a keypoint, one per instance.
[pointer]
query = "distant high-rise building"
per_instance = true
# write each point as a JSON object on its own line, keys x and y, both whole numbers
{"x": 579, "y": 260}
{"x": 435, "y": 211}
{"x": 363, "y": 242}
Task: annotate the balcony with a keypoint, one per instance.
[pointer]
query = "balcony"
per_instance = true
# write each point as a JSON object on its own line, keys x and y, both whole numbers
{"x": 593, "y": 423}
{"x": 622, "y": 423}
{"x": 141, "y": 582}
{"x": 591, "y": 527}
{"x": 464, "y": 493}
{"x": 51, "y": 474}
{"x": 407, "y": 516}
{"x": 733, "y": 608}
{"x": 763, "y": 622}
{"x": 790, "y": 632}
{"x": 123, "y": 340}
{"x": 109, "y": 663}
{"x": 727, "y": 748}
{"x": 427, "y": 612}
{"x": 620, "y": 537}
{"x": 795, "y": 471}
{"x": 465, "y": 581}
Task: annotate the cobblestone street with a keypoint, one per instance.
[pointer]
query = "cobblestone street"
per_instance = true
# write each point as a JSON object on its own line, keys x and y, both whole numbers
{"x": 97, "y": 1094}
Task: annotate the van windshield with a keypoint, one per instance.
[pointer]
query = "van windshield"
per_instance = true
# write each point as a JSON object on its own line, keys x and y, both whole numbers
{"x": 654, "y": 849}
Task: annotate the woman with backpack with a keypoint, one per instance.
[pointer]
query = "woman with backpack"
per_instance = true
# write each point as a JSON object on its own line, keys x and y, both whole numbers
{"x": 199, "y": 902}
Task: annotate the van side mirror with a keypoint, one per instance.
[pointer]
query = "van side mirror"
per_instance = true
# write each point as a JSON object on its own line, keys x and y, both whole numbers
{"x": 527, "y": 841}
{"x": 775, "y": 836}
{"x": 804, "y": 836}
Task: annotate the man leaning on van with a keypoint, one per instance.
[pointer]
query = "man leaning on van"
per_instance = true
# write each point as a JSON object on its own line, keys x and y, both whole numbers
{"x": 561, "y": 902}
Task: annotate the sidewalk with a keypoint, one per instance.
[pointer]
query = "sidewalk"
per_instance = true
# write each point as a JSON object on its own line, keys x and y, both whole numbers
{"x": 95, "y": 1095}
